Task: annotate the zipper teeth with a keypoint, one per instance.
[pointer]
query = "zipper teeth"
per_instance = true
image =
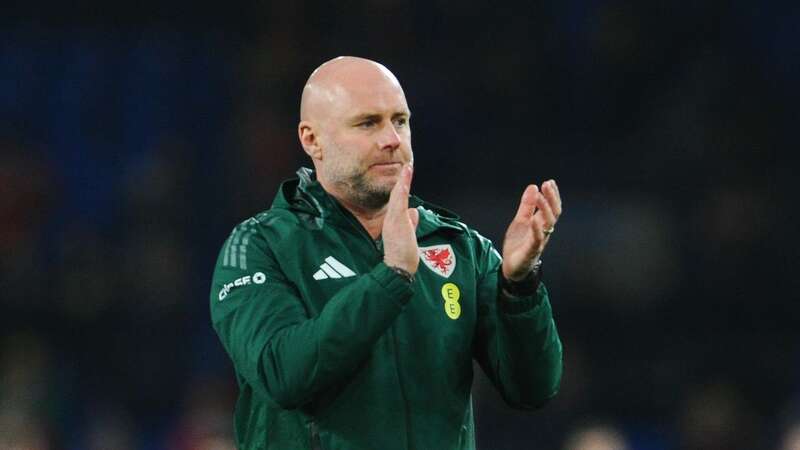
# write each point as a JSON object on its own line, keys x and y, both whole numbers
{"x": 315, "y": 441}
{"x": 409, "y": 435}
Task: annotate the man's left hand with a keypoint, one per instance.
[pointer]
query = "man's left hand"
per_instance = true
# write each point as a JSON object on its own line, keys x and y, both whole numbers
{"x": 530, "y": 230}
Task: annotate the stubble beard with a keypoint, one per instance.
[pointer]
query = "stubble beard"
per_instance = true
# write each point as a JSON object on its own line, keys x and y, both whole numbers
{"x": 354, "y": 185}
{"x": 368, "y": 195}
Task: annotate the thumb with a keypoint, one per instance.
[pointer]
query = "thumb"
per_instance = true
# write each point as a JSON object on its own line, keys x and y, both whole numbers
{"x": 398, "y": 198}
{"x": 413, "y": 214}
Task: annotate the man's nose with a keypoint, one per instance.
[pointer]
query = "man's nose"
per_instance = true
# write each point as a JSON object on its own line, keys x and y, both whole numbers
{"x": 389, "y": 138}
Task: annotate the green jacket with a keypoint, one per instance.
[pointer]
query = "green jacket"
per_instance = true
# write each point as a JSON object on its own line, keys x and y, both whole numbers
{"x": 334, "y": 350}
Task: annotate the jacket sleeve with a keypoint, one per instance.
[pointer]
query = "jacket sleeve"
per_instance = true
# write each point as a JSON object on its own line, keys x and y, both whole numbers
{"x": 274, "y": 343}
{"x": 516, "y": 341}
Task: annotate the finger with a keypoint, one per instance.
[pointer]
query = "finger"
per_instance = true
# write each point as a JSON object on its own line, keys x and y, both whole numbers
{"x": 546, "y": 213}
{"x": 413, "y": 214}
{"x": 527, "y": 205}
{"x": 537, "y": 227}
{"x": 550, "y": 191}
{"x": 398, "y": 198}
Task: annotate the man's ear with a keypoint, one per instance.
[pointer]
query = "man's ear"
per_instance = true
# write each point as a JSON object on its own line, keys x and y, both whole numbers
{"x": 309, "y": 140}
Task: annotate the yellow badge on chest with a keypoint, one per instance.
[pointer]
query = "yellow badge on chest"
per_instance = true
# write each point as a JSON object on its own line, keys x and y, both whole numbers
{"x": 451, "y": 294}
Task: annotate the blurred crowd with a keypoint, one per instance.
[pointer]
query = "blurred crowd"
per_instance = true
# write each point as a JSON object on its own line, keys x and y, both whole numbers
{"x": 130, "y": 148}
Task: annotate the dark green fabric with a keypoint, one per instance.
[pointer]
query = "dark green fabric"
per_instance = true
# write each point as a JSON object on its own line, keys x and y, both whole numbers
{"x": 368, "y": 361}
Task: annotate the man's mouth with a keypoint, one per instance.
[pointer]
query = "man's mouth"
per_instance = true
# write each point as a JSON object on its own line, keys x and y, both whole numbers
{"x": 386, "y": 164}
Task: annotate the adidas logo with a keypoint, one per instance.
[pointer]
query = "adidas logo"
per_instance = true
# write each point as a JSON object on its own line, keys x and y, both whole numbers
{"x": 332, "y": 268}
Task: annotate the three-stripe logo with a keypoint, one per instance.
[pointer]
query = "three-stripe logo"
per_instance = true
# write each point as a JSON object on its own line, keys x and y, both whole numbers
{"x": 235, "y": 250}
{"x": 332, "y": 268}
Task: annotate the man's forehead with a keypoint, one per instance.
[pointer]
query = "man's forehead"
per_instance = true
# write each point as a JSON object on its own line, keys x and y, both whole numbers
{"x": 365, "y": 101}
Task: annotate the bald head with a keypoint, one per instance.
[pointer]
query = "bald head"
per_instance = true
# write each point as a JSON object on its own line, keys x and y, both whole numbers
{"x": 354, "y": 124}
{"x": 331, "y": 86}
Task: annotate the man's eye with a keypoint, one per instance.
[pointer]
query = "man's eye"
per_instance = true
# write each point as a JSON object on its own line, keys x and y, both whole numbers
{"x": 401, "y": 121}
{"x": 366, "y": 124}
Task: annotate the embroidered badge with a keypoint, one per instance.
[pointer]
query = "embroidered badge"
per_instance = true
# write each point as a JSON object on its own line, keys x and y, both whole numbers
{"x": 439, "y": 258}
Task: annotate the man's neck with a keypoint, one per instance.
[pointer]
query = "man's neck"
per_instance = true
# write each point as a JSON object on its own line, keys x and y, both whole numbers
{"x": 371, "y": 220}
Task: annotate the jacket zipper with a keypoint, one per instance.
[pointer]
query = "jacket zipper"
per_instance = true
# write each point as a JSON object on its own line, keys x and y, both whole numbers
{"x": 409, "y": 434}
{"x": 315, "y": 444}
{"x": 379, "y": 252}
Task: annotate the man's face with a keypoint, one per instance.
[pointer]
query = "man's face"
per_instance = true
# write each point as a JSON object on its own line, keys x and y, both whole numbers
{"x": 366, "y": 140}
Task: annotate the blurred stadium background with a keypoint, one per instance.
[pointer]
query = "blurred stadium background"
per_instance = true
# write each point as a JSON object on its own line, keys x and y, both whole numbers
{"x": 134, "y": 136}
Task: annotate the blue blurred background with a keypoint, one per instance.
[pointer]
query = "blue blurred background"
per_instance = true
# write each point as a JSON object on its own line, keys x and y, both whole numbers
{"x": 133, "y": 137}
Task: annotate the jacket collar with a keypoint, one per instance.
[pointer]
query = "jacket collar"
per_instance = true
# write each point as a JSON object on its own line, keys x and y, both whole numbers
{"x": 304, "y": 195}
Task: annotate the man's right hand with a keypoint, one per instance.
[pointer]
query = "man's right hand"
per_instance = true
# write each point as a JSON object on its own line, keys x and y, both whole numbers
{"x": 400, "y": 225}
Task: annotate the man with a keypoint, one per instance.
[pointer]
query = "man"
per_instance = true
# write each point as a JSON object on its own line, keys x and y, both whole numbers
{"x": 340, "y": 338}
